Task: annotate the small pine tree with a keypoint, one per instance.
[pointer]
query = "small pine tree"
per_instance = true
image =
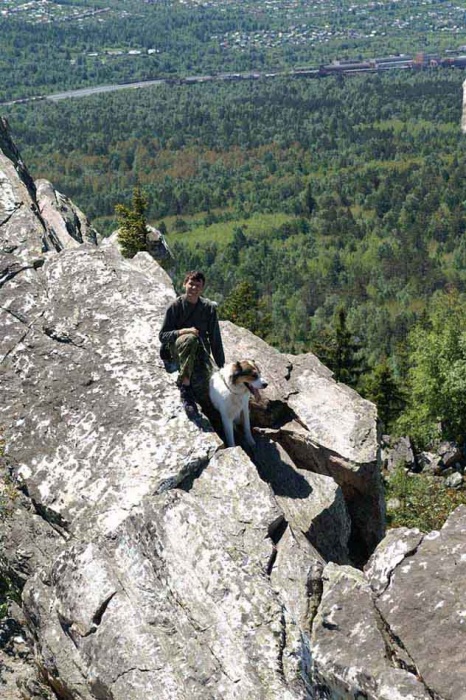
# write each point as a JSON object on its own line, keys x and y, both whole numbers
{"x": 337, "y": 349}
{"x": 132, "y": 235}
{"x": 309, "y": 203}
{"x": 381, "y": 387}
{"x": 243, "y": 308}
{"x": 348, "y": 365}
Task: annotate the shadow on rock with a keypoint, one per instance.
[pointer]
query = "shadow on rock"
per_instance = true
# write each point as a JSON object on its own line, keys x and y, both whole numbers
{"x": 284, "y": 480}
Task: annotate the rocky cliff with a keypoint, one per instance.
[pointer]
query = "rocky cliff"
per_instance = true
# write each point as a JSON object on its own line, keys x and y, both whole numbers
{"x": 155, "y": 563}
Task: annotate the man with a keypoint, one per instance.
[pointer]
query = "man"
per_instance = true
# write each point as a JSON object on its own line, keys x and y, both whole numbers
{"x": 191, "y": 329}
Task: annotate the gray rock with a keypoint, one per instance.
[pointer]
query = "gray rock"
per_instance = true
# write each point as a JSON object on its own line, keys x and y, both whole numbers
{"x": 325, "y": 427}
{"x": 396, "y": 453}
{"x": 95, "y": 414}
{"x": 423, "y": 606}
{"x": 22, "y": 231}
{"x": 351, "y": 655}
{"x": 450, "y": 454}
{"x": 176, "y": 603}
{"x": 429, "y": 462}
{"x": 157, "y": 246}
{"x": 18, "y": 673}
{"x": 394, "y": 548}
{"x": 68, "y": 223}
{"x": 312, "y": 504}
{"x": 297, "y": 578}
{"x": 454, "y": 481}
{"x": 157, "y": 564}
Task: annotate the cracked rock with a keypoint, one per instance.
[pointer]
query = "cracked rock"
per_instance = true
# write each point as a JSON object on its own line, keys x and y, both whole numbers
{"x": 351, "y": 656}
{"x": 424, "y": 607}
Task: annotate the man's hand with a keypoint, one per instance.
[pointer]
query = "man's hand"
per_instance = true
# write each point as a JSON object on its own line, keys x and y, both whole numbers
{"x": 184, "y": 331}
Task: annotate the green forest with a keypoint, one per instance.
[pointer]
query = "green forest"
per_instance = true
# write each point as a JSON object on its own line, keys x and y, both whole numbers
{"x": 335, "y": 208}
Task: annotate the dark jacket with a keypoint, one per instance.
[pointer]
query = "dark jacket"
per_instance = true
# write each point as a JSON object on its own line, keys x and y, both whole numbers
{"x": 203, "y": 316}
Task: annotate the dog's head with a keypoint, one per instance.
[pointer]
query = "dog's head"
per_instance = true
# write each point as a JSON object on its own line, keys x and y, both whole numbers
{"x": 247, "y": 372}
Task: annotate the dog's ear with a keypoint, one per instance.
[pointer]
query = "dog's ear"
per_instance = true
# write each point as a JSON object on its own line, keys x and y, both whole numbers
{"x": 238, "y": 370}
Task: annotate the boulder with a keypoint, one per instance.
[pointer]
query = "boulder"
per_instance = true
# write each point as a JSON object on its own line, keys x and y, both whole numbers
{"x": 297, "y": 577}
{"x": 450, "y": 454}
{"x": 68, "y": 223}
{"x": 22, "y": 231}
{"x": 176, "y": 603}
{"x": 454, "y": 481}
{"x": 429, "y": 462}
{"x": 422, "y": 604}
{"x": 156, "y": 244}
{"x": 396, "y": 546}
{"x": 156, "y": 563}
{"x": 18, "y": 673}
{"x": 93, "y": 412}
{"x": 325, "y": 427}
{"x": 312, "y": 504}
{"x": 352, "y": 656}
{"x": 397, "y": 452}
{"x": 34, "y": 217}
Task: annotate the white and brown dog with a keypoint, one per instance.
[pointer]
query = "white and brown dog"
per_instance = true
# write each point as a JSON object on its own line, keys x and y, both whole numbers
{"x": 230, "y": 389}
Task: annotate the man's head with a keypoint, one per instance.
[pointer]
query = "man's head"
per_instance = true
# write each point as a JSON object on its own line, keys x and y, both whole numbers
{"x": 194, "y": 284}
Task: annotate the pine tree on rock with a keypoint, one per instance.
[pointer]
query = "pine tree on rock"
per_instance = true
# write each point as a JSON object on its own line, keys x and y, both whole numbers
{"x": 132, "y": 235}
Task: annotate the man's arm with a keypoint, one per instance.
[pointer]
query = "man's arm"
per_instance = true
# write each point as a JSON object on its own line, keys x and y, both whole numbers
{"x": 169, "y": 332}
{"x": 216, "y": 339}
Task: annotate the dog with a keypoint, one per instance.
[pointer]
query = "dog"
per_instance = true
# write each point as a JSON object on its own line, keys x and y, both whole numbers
{"x": 230, "y": 389}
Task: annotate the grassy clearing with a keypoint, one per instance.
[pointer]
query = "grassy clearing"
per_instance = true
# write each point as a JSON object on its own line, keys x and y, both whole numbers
{"x": 222, "y": 233}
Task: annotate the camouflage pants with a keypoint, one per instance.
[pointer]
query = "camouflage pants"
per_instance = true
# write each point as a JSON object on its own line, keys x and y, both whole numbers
{"x": 195, "y": 364}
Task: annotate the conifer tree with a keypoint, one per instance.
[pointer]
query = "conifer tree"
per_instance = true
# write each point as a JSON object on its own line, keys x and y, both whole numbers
{"x": 382, "y": 388}
{"x": 309, "y": 203}
{"x": 347, "y": 360}
{"x": 337, "y": 349}
{"x": 132, "y": 235}
{"x": 242, "y": 307}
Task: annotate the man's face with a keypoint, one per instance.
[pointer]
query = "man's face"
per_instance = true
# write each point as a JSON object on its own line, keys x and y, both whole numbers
{"x": 193, "y": 290}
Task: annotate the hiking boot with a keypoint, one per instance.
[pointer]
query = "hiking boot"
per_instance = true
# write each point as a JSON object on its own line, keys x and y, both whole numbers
{"x": 188, "y": 401}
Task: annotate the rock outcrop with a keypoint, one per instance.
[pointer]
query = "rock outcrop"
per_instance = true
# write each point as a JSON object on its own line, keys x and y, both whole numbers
{"x": 154, "y": 562}
{"x": 68, "y": 223}
{"x": 156, "y": 245}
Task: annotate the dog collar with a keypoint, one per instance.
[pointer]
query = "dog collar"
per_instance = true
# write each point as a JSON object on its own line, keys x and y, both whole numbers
{"x": 225, "y": 382}
{"x": 229, "y": 388}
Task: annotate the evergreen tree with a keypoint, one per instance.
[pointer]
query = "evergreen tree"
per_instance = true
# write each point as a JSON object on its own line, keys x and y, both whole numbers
{"x": 381, "y": 387}
{"x": 309, "y": 203}
{"x": 132, "y": 235}
{"x": 242, "y": 307}
{"x": 340, "y": 352}
{"x": 348, "y": 362}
